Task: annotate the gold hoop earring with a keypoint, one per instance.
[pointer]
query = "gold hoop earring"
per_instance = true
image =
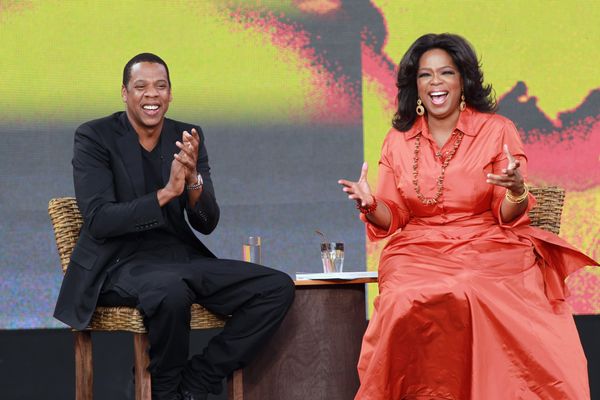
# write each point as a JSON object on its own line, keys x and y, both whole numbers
{"x": 463, "y": 103}
{"x": 420, "y": 108}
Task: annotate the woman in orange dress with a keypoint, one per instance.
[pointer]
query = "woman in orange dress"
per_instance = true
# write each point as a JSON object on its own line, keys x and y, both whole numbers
{"x": 471, "y": 302}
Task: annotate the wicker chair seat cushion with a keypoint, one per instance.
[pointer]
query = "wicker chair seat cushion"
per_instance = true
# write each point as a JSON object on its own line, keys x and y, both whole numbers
{"x": 129, "y": 319}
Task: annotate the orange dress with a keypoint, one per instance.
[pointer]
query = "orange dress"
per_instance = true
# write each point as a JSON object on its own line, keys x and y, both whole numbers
{"x": 469, "y": 307}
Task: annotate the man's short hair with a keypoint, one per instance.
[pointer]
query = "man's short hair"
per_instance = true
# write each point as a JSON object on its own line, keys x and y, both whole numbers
{"x": 143, "y": 57}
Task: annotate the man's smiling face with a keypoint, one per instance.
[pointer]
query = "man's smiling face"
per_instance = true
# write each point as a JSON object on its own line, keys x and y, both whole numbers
{"x": 147, "y": 96}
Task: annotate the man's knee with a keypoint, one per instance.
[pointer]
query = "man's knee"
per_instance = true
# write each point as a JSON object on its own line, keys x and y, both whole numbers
{"x": 283, "y": 286}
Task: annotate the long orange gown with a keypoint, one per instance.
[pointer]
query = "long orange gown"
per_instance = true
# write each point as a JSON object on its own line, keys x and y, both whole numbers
{"x": 469, "y": 307}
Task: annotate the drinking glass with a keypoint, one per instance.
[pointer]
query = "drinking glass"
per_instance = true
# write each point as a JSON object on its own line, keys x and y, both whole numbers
{"x": 332, "y": 255}
{"x": 251, "y": 250}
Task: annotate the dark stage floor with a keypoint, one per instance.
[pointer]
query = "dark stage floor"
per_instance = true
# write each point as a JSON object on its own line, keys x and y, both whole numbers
{"x": 38, "y": 364}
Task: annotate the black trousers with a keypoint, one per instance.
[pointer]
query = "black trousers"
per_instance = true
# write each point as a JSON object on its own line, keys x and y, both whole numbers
{"x": 256, "y": 297}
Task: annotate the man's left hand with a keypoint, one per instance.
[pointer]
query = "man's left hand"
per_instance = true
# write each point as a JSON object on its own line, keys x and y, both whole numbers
{"x": 188, "y": 155}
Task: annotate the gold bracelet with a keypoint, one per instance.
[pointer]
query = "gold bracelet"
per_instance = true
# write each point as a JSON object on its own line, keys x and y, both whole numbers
{"x": 517, "y": 199}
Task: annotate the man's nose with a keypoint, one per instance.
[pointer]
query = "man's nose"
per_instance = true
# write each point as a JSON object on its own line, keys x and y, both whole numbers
{"x": 151, "y": 92}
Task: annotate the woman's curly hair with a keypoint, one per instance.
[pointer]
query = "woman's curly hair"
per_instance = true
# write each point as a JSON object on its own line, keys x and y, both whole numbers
{"x": 477, "y": 95}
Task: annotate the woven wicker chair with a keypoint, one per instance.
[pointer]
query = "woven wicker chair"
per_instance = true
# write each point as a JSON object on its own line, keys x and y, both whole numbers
{"x": 547, "y": 212}
{"x": 66, "y": 222}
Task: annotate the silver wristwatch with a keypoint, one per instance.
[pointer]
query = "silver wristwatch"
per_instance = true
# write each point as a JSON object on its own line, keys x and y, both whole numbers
{"x": 197, "y": 185}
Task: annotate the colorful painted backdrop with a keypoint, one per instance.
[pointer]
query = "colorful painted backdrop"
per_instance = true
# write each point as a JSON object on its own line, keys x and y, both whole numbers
{"x": 544, "y": 73}
{"x": 292, "y": 95}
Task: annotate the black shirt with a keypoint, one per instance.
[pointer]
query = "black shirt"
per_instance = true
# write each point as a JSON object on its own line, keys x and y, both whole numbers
{"x": 163, "y": 237}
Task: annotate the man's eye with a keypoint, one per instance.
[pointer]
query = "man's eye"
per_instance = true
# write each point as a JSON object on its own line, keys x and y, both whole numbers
{"x": 139, "y": 87}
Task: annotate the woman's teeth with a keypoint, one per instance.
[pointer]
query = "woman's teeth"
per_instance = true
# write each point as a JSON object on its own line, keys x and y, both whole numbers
{"x": 438, "y": 97}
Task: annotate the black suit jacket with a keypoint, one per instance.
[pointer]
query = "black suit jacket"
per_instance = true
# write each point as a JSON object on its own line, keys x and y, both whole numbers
{"x": 109, "y": 187}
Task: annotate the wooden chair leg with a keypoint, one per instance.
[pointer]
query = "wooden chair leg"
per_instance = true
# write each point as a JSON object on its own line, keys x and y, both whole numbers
{"x": 235, "y": 385}
{"x": 143, "y": 386}
{"x": 84, "y": 373}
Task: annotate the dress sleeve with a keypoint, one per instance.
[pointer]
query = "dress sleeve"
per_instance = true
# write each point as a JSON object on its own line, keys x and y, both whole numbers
{"x": 387, "y": 194}
{"x": 510, "y": 136}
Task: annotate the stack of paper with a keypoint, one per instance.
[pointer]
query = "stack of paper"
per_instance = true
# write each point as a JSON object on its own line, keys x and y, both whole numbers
{"x": 335, "y": 275}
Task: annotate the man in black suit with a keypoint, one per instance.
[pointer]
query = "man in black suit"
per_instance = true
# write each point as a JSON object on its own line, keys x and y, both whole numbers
{"x": 136, "y": 175}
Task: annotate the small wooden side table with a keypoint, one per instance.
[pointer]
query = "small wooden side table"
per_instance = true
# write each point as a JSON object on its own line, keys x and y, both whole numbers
{"x": 314, "y": 353}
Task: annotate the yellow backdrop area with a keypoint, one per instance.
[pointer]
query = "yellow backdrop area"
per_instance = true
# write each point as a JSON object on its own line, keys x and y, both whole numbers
{"x": 550, "y": 44}
{"x": 61, "y": 59}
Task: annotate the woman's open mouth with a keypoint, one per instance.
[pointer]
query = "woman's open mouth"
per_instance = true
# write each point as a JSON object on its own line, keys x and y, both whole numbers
{"x": 438, "y": 97}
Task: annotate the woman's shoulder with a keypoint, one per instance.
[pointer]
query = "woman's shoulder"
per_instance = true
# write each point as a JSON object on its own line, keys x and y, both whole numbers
{"x": 493, "y": 120}
{"x": 394, "y": 142}
{"x": 396, "y": 139}
{"x": 395, "y": 134}
{"x": 491, "y": 124}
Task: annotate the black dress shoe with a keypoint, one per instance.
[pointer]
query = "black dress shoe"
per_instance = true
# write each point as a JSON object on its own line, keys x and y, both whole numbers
{"x": 187, "y": 395}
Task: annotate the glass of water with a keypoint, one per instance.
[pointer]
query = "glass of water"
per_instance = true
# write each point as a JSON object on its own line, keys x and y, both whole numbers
{"x": 332, "y": 255}
{"x": 251, "y": 250}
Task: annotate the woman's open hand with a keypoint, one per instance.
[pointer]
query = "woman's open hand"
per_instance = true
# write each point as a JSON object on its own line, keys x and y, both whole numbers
{"x": 359, "y": 191}
{"x": 511, "y": 177}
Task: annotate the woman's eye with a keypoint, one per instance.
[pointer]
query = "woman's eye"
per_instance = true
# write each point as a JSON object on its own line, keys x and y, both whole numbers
{"x": 423, "y": 74}
{"x": 448, "y": 72}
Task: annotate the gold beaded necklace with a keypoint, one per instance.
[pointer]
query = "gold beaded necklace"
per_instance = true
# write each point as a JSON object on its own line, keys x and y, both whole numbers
{"x": 428, "y": 201}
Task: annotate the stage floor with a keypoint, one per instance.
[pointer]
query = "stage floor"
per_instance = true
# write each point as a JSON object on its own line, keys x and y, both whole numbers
{"x": 36, "y": 364}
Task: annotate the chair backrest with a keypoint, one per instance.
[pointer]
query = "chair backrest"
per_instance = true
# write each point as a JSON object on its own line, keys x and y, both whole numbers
{"x": 66, "y": 222}
{"x": 546, "y": 214}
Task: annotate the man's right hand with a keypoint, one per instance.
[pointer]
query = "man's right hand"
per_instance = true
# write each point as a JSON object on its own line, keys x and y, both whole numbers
{"x": 175, "y": 185}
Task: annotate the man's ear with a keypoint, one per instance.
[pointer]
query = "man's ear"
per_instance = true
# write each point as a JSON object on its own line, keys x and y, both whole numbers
{"x": 124, "y": 93}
